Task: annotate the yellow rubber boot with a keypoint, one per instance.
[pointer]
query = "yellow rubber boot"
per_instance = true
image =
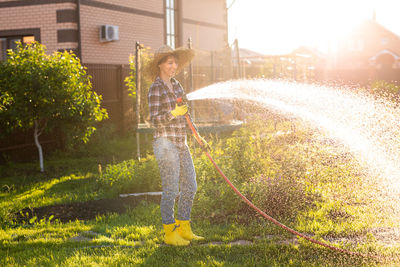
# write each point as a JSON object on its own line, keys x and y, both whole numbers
{"x": 172, "y": 236}
{"x": 185, "y": 231}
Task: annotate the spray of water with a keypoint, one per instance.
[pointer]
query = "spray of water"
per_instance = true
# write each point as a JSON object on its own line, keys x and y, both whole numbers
{"x": 370, "y": 128}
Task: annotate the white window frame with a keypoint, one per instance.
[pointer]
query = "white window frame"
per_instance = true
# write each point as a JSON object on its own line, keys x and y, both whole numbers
{"x": 170, "y": 19}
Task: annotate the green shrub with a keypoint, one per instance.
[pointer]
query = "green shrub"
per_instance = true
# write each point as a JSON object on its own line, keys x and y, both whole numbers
{"x": 269, "y": 169}
{"x": 385, "y": 90}
{"x": 131, "y": 176}
{"x": 106, "y": 142}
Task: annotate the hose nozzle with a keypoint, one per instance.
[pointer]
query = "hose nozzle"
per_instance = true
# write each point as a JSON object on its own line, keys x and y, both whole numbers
{"x": 182, "y": 100}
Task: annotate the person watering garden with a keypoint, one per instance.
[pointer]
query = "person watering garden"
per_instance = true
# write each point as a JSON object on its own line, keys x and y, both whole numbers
{"x": 174, "y": 160}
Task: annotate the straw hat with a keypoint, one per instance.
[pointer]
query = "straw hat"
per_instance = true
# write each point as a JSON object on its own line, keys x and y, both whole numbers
{"x": 184, "y": 56}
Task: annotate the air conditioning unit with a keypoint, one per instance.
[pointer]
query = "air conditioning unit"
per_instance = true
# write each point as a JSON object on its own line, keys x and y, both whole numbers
{"x": 108, "y": 33}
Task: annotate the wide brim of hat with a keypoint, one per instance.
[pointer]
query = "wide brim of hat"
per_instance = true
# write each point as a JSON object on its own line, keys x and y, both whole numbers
{"x": 184, "y": 56}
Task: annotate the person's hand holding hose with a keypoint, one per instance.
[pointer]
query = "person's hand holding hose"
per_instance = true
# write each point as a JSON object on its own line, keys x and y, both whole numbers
{"x": 180, "y": 103}
{"x": 179, "y": 110}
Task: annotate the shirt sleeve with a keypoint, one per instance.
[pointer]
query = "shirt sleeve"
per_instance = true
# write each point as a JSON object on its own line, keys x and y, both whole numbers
{"x": 158, "y": 116}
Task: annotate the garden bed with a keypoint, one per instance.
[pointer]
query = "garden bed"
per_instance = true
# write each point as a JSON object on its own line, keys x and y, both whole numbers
{"x": 83, "y": 210}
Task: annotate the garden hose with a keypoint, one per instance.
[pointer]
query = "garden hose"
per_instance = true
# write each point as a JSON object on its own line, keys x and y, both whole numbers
{"x": 196, "y": 135}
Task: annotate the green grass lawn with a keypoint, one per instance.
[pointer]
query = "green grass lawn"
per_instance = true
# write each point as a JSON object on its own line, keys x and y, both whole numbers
{"x": 136, "y": 238}
{"x": 339, "y": 217}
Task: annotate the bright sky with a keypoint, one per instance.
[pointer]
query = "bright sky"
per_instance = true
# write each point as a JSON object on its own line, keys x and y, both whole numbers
{"x": 280, "y": 26}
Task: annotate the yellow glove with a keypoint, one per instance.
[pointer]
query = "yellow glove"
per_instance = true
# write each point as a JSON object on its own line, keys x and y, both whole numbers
{"x": 179, "y": 110}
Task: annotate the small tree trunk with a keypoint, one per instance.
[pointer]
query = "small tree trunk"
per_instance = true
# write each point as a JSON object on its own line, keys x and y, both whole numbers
{"x": 36, "y": 134}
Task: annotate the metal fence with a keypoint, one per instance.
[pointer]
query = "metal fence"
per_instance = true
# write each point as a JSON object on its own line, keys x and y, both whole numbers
{"x": 210, "y": 67}
{"x": 109, "y": 82}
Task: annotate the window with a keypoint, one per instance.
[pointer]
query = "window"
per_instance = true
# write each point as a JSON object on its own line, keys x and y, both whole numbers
{"x": 11, "y": 43}
{"x": 170, "y": 14}
{"x": 28, "y": 39}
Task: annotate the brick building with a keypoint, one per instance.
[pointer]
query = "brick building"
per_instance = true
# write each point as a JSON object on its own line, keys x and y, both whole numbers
{"x": 76, "y": 25}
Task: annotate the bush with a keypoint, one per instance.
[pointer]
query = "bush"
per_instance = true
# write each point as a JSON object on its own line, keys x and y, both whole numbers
{"x": 269, "y": 169}
{"x": 131, "y": 176}
{"x": 105, "y": 143}
{"x": 385, "y": 90}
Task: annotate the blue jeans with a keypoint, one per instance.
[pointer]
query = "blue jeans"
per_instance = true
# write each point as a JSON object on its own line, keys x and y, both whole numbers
{"x": 178, "y": 177}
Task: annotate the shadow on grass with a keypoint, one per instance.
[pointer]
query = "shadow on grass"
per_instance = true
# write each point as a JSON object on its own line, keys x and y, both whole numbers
{"x": 73, "y": 185}
{"x": 23, "y": 175}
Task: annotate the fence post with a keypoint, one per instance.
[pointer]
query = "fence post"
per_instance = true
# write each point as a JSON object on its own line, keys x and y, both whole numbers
{"x": 239, "y": 69}
{"x": 138, "y": 85}
{"x": 121, "y": 96}
{"x": 190, "y": 89}
{"x": 212, "y": 77}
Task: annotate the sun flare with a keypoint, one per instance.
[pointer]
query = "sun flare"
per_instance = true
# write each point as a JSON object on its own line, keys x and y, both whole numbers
{"x": 281, "y": 25}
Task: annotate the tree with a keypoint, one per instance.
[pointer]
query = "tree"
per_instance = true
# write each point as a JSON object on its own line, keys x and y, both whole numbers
{"x": 5, "y": 98}
{"x": 43, "y": 92}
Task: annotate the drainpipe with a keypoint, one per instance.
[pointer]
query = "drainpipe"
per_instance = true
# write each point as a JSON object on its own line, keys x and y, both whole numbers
{"x": 78, "y": 12}
{"x": 179, "y": 23}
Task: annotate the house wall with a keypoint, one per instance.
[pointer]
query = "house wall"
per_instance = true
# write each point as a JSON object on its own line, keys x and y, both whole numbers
{"x": 364, "y": 42}
{"x": 141, "y": 21}
{"x": 42, "y": 18}
{"x": 206, "y": 23}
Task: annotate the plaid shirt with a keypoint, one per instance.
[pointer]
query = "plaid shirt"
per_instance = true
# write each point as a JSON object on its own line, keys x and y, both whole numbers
{"x": 161, "y": 101}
